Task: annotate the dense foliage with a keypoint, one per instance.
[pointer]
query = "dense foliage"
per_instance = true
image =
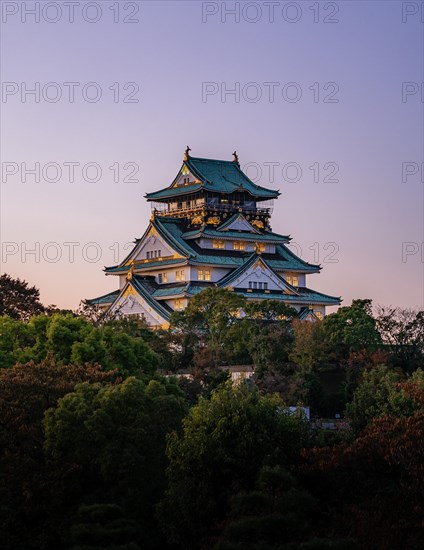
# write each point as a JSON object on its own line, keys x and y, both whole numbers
{"x": 100, "y": 450}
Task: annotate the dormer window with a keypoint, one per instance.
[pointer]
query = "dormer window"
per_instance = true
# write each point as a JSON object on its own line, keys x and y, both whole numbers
{"x": 218, "y": 244}
{"x": 203, "y": 275}
{"x": 293, "y": 280}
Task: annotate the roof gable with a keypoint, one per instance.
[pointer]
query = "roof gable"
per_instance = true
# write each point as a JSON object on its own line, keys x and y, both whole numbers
{"x": 255, "y": 270}
{"x": 237, "y": 222}
{"x": 134, "y": 299}
{"x": 185, "y": 177}
{"x": 151, "y": 240}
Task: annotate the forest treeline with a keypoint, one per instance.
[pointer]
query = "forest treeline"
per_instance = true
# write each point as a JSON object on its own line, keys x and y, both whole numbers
{"x": 99, "y": 449}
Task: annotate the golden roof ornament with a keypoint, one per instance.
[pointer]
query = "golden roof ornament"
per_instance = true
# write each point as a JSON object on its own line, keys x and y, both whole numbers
{"x": 130, "y": 272}
{"x": 187, "y": 153}
{"x": 236, "y": 159}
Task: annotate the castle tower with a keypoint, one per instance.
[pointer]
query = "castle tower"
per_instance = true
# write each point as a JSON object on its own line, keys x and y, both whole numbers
{"x": 210, "y": 227}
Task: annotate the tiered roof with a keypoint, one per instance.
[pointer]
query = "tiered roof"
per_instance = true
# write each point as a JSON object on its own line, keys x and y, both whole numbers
{"x": 183, "y": 239}
{"x": 173, "y": 231}
{"x": 216, "y": 176}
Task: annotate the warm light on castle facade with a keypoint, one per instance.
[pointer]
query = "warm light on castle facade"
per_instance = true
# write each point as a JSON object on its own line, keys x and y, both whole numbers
{"x": 210, "y": 227}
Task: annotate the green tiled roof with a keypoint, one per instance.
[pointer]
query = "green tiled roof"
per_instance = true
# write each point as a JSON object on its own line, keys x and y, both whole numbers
{"x": 267, "y": 237}
{"x": 144, "y": 290}
{"x": 164, "y": 291}
{"x": 306, "y": 296}
{"x": 104, "y": 300}
{"x": 140, "y": 265}
{"x": 173, "y": 231}
{"x": 219, "y": 176}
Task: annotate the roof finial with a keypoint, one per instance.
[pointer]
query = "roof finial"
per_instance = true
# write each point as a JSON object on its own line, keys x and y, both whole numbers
{"x": 236, "y": 159}
{"x": 187, "y": 153}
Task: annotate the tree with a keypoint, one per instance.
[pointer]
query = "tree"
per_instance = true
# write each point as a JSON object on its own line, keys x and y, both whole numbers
{"x": 225, "y": 442}
{"x": 67, "y": 338}
{"x": 372, "y": 396}
{"x": 30, "y": 510}
{"x": 402, "y": 332}
{"x": 310, "y": 349}
{"x": 373, "y": 487}
{"x": 382, "y": 391}
{"x": 277, "y": 514}
{"x": 352, "y": 329}
{"x": 104, "y": 527}
{"x": 18, "y": 299}
{"x": 112, "y": 442}
{"x": 207, "y": 318}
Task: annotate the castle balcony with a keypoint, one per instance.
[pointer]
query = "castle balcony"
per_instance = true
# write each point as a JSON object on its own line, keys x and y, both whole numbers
{"x": 178, "y": 209}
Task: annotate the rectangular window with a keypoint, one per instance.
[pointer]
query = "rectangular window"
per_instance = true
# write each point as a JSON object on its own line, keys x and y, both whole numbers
{"x": 200, "y": 275}
{"x": 148, "y": 255}
{"x": 260, "y": 285}
{"x": 295, "y": 280}
{"x": 289, "y": 279}
{"x": 207, "y": 275}
{"x": 255, "y": 285}
{"x": 237, "y": 245}
{"x": 160, "y": 278}
{"x": 159, "y": 253}
{"x": 182, "y": 275}
{"x": 165, "y": 277}
{"x": 178, "y": 305}
{"x": 265, "y": 286}
{"x": 262, "y": 247}
{"x": 218, "y": 244}
{"x": 177, "y": 276}
{"x": 250, "y": 284}
{"x": 318, "y": 314}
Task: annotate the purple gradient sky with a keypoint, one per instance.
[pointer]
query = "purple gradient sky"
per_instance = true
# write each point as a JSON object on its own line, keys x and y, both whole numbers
{"x": 369, "y": 133}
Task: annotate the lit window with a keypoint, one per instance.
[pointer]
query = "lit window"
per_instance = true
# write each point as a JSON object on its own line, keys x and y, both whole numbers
{"x": 237, "y": 245}
{"x": 177, "y": 276}
{"x": 163, "y": 278}
{"x": 295, "y": 280}
{"x": 260, "y": 247}
{"x": 200, "y": 275}
{"x": 218, "y": 244}
{"x": 318, "y": 314}
{"x": 183, "y": 275}
{"x": 207, "y": 275}
{"x": 178, "y": 304}
{"x": 289, "y": 279}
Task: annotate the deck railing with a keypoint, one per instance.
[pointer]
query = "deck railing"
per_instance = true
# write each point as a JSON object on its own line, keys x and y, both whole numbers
{"x": 230, "y": 208}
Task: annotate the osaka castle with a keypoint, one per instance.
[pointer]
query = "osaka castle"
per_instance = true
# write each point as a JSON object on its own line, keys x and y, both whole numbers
{"x": 210, "y": 228}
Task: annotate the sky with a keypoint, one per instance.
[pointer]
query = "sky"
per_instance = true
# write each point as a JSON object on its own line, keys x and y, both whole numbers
{"x": 322, "y": 100}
